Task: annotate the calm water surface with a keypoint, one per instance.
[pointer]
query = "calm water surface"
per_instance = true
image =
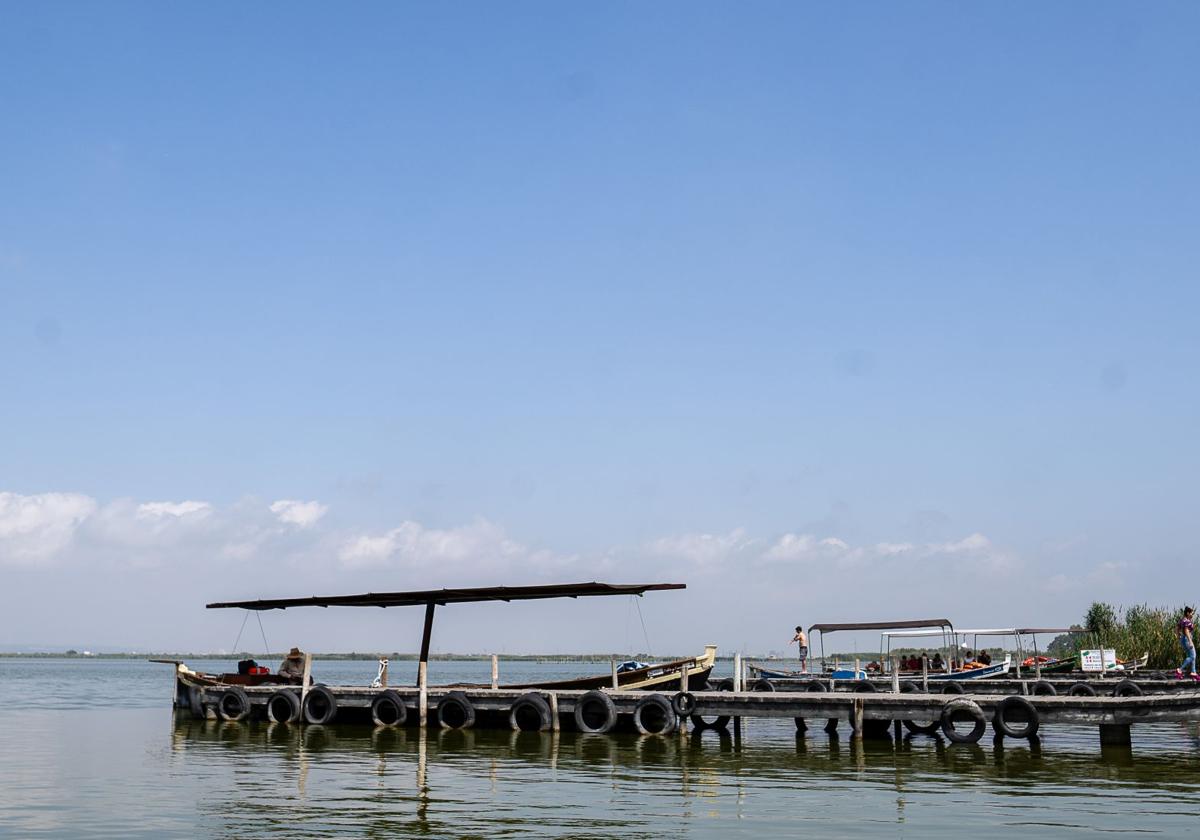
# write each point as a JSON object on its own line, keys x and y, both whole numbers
{"x": 103, "y": 756}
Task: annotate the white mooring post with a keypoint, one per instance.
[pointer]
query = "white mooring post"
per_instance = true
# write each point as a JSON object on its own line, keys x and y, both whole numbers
{"x": 856, "y": 665}
{"x": 305, "y": 680}
{"x": 895, "y": 675}
{"x": 495, "y": 672}
{"x": 737, "y": 672}
{"x": 423, "y": 690}
{"x": 924, "y": 674}
{"x": 613, "y": 664}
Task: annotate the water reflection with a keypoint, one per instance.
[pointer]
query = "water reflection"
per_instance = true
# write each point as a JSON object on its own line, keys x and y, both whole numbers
{"x": 438, "y": 782}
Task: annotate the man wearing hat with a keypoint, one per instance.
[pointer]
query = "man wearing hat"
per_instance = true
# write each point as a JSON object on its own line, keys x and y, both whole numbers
{"x": 293, "y": 665}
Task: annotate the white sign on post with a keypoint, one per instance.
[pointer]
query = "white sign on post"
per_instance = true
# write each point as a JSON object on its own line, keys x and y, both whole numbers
{"x": 1097, "y": 660}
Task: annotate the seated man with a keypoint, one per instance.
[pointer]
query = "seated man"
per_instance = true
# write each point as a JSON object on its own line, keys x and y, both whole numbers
{"x": 984, "y": 658}
{"x": 936, "y": 664}
{"x": 293, "y": 665}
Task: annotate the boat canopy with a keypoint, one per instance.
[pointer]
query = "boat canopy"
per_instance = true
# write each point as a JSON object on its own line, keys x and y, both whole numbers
{"x": 882, "y": 625}
{"x": 433, "y": 598}
{"x": 441, "y": 597}
{"x": 908, "y": 634}
{"x": 1032, "y": 631}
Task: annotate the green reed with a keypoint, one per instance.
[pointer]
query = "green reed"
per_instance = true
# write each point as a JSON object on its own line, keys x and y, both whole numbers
{"x": 1132, "y": 631}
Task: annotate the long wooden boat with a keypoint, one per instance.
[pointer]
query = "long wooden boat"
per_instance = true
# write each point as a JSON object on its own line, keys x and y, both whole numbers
{"x": 998, "y": 669}
{"x": 661, "y": 675}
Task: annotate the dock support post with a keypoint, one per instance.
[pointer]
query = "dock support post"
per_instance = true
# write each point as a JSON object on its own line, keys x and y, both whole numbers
{"x": 495, "y": 672}
{"x": 554, "y": 721}
{"x": 305, "y": 680}
{"x": 856, "y": 719}
{"x": 895, "y": 675}
{"x": 683, "y": 677}
{"x": 737, "y": 672}
{"x": 856, "y": 662}
{"x": 613, "y": 664}
{"x": 1115, "y": 735}
{"x": 924, "y": 674}
{"x": 423, "y": 666}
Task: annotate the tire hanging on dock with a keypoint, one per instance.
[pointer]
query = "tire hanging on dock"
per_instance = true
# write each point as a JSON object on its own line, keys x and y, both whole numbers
{"x": 530, "y": 713}
{"x": 653, "y": 715}
{"x": 233, "y": 704}
{"x": 684, "y": 704}
{"x": 454, "y": 711}
{"x": 1042, "y": 688}
{"x": 762, "y": 685}
{"x": 388, "y": 709}
{"x": 952, "y": 687}
{"x": 959, "y": 709}
{"x": 283, "y": 707}
{"x": 1008, "y": 717}
{"x": 595, "y": 713}
{"x": 1127, "y": 688}
{"x": 320, "y": 706}
{"x": 1081, "y": 689}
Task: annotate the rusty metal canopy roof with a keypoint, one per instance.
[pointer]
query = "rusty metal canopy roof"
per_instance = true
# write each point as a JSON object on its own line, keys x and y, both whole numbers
{"x": 1029, "y": 631}
{"x": 441, "y": 597}
{"x": 882, "y": 625}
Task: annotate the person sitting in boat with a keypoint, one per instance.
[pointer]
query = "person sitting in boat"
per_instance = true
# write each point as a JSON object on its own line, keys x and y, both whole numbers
{"x": 984, "y": 658}
{"x": 293, "y": 665}
{"x": 936, "y": 664}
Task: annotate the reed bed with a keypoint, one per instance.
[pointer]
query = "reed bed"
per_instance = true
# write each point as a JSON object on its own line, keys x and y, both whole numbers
{"x": 1132, "y": 631}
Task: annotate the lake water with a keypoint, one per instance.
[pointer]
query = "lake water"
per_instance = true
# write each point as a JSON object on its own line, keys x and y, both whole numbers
{"x": 91, "y": 749}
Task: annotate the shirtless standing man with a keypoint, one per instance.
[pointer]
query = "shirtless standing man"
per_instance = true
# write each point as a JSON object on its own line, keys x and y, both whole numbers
{"x": 802, "y": 640}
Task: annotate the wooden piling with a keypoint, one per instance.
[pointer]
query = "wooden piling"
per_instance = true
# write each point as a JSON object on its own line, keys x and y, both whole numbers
{"x": 613, "y": 664}
{"x": 305, "y": 680}
{"x": 423, "y": 698}
{"x": 1115, "y": 735}
{"x": 554, "y": 721}
{"x": 495, "y": 672}
{"x": 924, "y": 673}
{"x": 737, "y": 672}
{"x": 895, "y": 675}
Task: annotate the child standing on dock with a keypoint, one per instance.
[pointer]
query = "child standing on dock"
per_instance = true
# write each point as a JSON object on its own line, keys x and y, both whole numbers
{"x": 802, "y": 640}
{"x": 1186, "y": 628}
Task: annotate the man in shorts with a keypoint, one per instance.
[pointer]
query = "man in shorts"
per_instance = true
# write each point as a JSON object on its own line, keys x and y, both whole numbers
{"x": 802, "y": 641}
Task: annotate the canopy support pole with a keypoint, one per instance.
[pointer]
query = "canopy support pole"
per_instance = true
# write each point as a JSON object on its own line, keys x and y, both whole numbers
{"x": 423, "y": 664}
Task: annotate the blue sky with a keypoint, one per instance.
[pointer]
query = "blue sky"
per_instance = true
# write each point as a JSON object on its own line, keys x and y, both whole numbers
{"x": 829, "y": 312}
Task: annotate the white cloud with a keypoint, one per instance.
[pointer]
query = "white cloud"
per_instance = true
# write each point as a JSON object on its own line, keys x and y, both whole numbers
{"x": 36, "y": 528}
{"x": 159, "y": 510}
{"x": 482, "y": 544}
{"x": 701, "y": 549}
{"x": 294, "y": 512}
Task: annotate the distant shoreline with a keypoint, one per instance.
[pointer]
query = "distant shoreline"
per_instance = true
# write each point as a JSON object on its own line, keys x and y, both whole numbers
{"x": 366, "y": 657}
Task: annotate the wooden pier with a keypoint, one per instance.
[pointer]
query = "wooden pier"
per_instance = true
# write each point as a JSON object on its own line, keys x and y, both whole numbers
{"x": 961, "y": 718}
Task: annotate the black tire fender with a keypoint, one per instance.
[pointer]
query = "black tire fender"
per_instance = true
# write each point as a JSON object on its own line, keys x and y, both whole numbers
{"x": 684, "y": 704}
{"x": 595, "y": 713}
{"x": 653, "y": 715}
{"x": 283, "y": 707}
{"x": 1081, "y": 689}
{"x": 320, "y": 706}
{"x": 958, "y": 708}
{"x": 233, "y": 704}
{"x": 530, "y": 707}
{"x": 1041, "y": 688}
{"x": 952, "y": 687}
{"x": 388, "y": 709}
{"x": 1127, "y": 688}
{"x": 1004, "y": 713}
{"x": 455, "y": 711}
{"x": 762, "y": 685}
